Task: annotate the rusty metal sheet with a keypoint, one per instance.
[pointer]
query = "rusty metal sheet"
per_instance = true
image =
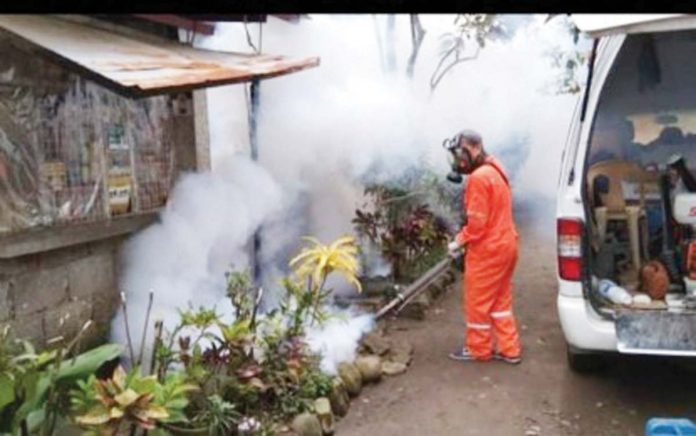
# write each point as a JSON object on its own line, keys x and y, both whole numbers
{"x": 144, "y": 68}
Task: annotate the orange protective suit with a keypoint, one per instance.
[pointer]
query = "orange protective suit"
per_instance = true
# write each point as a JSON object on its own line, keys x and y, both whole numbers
{"x": 491, "y": 254}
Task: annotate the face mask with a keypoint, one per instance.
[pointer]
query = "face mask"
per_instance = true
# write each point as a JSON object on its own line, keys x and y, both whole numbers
{"x": 460, "y": 159}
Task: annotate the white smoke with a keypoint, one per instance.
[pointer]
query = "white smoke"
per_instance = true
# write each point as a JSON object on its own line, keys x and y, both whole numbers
{"x": 203, "y": 231}
{"x": 323, "y": 133}
{"x": 336, "y": 340}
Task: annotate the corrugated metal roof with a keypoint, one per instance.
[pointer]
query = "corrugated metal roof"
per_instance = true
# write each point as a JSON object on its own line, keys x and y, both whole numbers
{"x": 144, "y": 68}
{"x": 597, "y": 25}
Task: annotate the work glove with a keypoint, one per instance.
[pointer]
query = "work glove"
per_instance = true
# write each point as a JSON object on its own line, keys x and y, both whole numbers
{"x": 454, "y": 249}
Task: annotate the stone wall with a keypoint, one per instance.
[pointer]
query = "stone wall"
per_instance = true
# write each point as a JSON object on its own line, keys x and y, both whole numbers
{"x": 53, "y": 293}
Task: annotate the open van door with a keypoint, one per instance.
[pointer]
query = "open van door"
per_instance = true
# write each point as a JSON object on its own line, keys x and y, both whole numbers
{"x": 598, "y": 25}
{"x": 617, "y": 195}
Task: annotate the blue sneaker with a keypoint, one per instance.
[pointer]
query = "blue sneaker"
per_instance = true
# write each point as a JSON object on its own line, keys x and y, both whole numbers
{"x": 463, "y": 355}
{"x": 507, "y": 359}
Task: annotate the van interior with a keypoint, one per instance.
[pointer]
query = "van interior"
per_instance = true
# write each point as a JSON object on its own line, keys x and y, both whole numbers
{"x": 640, "y": 178}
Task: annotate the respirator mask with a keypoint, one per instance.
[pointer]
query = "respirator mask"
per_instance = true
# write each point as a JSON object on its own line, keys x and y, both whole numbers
{"x": 459, "y": 158}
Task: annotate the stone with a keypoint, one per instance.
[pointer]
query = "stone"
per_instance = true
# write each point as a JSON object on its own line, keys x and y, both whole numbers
{"x": 439, "y": 287}
{"x": 306, "y": 424}
{"x": 339, "y": 399}
{"x": 376, "y": 343}
{"x": 350, "y": 375}
{"x": 417, "y": 308}
{"x": 67, "y": 320}
{"x": 91, "y": 275}
{"x": 322, "y": 407}
{"x": 370, "y": 368}
{"x": 393, "y": 368}
{"x": 402, "y": 346}
{"x": 104, "y": 307}
{"x": 5, "y": 300}
{"x": 39, "y": 290}
{"x": 377, "y": 286}
{"x": 29, "y": 328}
{"x": 533, "y": 430}
{"x": 401, "y": 352}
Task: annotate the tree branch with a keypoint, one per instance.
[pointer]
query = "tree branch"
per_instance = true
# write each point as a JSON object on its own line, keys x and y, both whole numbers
{"x": 435, "y": 79}
{"x": 417, "y": 35}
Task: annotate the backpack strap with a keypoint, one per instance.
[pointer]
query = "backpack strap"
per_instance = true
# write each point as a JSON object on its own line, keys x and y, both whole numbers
{"x": 502, "y": 174}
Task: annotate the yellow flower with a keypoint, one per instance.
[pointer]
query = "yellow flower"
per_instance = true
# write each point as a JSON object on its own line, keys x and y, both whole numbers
{"x": 319, "y": 260}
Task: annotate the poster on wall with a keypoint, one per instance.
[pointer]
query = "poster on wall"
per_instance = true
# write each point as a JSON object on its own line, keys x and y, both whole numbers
{"x": 120, "y": 190}
{"x": 120, "y": 181}
{"x": 54, "y": 175}
{"x": 116, "y": 137}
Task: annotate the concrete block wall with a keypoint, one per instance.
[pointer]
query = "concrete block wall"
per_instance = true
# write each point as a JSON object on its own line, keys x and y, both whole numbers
{"x": 53, "y": 293}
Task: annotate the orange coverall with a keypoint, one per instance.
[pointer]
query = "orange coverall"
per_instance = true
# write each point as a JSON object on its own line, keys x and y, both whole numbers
{"x": 491, "y": 254}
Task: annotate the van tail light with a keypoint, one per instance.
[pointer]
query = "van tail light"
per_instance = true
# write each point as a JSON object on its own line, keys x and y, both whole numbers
{"x": 570, "y": 248}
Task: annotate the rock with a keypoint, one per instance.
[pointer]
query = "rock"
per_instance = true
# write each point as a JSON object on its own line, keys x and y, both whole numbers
{"x": 376, "y": 286}
{"x": 400, "y": 357}
{"x": 441, "y": 285}
{"x": 322, "y": 407}
{"x": 370, "y": 368}
{"x": 350, "y": 375}
{"x": 400, "y": 352}
{"x": 417, "y": 308}
{"x": 393, "y": 368}
{"x": 533, "y": 430}
{"x": 306, "y": 424}
{"x": 376, "y": 343}
{"x": 340, "y": 402}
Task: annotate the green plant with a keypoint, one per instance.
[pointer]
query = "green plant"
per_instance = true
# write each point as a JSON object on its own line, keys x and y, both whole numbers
{"x": 403, "y": 227}
{"x": 249, "y": 372}
{"x": 242, "y": 294}
{"x": 129, "y": 399}
{"x": 315, "y": 383}
{"x": 218, "y": 416}
{"x": 34, "y": 385}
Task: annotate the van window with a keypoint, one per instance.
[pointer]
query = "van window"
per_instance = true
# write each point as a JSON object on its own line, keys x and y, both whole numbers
{"x": 647, "y": 110}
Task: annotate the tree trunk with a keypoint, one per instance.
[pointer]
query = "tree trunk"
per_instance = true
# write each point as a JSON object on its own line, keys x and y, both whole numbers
{"x": 417, "y": 35}
{"x": 390, "y": 44}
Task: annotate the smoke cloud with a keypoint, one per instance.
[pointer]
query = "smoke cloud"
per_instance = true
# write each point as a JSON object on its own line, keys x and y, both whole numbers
{"x": 203, "y": 231}
{"x": 325, "y": 132}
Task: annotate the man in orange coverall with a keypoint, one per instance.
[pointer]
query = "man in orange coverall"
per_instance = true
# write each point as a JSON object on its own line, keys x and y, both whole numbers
{"x": 489, "y": 239}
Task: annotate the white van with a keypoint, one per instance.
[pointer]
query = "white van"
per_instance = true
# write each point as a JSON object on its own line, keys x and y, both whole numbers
{"x": 619, "y": 204}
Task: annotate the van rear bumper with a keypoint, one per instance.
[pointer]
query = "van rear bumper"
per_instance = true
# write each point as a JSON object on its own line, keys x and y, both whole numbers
{"x": 583, "y": 328}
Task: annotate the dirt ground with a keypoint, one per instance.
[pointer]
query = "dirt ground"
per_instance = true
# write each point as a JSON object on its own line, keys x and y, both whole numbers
{"x": 438, "y": 396}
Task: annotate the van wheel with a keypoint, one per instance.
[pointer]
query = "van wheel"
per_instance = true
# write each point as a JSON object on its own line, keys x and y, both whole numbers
{"x": 583, "y": 362}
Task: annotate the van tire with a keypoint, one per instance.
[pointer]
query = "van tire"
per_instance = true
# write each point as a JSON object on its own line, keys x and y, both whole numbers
{"x": 584, "y": 362}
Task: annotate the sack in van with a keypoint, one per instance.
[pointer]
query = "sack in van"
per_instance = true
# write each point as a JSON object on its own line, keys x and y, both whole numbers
{"x": 654, "y": 279}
